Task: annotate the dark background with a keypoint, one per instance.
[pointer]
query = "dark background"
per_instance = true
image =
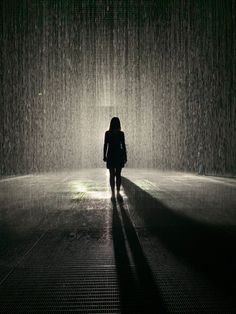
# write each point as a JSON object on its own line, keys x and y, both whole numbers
{"x": 166, "y": 68}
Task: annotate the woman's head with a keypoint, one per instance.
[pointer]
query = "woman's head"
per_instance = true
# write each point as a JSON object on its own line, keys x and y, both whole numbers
{"x": 115, "y": 124}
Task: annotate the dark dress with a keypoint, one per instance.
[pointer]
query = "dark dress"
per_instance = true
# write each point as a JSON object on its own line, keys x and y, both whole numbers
{"x": 115, "y": 149}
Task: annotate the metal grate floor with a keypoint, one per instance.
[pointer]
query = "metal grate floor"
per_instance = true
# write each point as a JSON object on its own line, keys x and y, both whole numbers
{"x": 87, "y": 256}
{"x": 46, "y": 289}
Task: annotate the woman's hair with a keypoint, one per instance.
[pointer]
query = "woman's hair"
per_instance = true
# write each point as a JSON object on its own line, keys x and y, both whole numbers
{"x": 115, "y": 124}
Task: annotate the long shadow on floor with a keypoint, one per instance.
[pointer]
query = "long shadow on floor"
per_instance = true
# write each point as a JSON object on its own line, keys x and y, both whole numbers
{"x": 207, "y": 247}
{"x": 138, "y": 291}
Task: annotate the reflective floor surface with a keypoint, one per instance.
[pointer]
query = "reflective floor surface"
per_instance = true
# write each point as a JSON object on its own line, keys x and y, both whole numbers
{"x": 166, "y": 246}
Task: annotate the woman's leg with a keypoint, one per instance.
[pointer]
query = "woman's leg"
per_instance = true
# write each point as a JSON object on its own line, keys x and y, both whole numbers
{"x": 118, "y": 179}
{"x": 112, "y": 180}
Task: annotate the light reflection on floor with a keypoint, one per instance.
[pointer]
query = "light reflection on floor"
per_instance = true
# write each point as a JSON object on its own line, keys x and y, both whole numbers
{"x": 88, "y": 189}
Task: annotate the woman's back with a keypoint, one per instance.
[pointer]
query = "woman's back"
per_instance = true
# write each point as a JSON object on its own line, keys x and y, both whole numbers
{"x": 115, "y": 149}
{"x": 115, "y": 139}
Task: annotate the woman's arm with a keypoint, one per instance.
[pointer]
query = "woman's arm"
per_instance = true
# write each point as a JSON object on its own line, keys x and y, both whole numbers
{"x": 105, "y": 148}
{"x": 124, "y": 147}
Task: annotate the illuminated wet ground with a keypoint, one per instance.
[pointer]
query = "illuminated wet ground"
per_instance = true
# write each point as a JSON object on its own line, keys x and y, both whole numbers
{"x": 168, "y": 246}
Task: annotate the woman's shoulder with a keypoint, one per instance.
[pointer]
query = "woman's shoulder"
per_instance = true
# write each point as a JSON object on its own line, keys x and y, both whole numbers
{"x": 121, "y": 133}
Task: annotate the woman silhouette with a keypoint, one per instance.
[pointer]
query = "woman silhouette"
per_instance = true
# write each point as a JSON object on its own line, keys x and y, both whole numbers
{"x": 114, "y": 153}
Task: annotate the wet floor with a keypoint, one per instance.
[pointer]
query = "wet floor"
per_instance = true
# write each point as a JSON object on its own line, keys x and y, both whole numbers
{"x": 168, "y": 246}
